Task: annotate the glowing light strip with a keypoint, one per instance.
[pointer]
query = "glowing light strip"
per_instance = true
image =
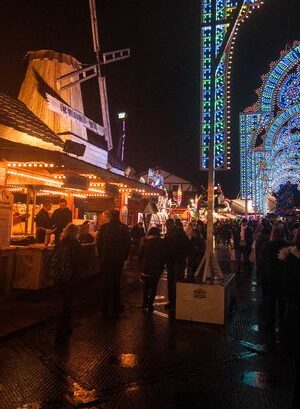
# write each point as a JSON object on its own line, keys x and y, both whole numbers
{"x": 31, "y": 165}
{"x": 35, "y": 177}
{"x": 223, "y": 16}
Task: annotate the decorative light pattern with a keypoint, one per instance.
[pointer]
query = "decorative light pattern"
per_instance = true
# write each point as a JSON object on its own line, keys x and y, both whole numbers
{"x": 270, "y": 133}
{"x": 31, "y": 165}
{"x": 36, "y": 177}
{"x": 271, "y": 87}
{"x": 217, "y": 17}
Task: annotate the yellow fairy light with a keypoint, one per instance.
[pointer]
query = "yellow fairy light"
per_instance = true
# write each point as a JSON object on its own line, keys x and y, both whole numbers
{"x": 35, "y": 177}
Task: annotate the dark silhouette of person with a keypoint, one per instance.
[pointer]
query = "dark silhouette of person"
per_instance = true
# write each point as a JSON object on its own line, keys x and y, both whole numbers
{"x": 65, "y": 265}
{"x": 61, "y": 218}
{"x": 196, "y": 252}
{"x": 113, "y": 245}
{"x": 151, "y": 262}
{"x": 273, "y": 278}
{"x": 243, "y": 239}
{"x": 43, "y": 222}
{"x": 137, "y": 234}
{"x": 291, "y": 258}
{"x": 177, "y": 244}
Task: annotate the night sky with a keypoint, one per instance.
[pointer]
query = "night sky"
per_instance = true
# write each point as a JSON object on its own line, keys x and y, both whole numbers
{"x": 159, "y": 85}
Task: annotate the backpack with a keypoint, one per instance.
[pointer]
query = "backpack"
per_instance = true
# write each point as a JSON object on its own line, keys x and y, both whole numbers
{"x": 61, "y": 270}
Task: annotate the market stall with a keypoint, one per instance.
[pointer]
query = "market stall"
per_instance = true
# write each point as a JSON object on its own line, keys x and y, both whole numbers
{"x": 32, "y": 184}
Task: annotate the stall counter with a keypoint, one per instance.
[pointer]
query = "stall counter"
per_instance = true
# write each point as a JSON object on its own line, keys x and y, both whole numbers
{"x": 32, "y": 265}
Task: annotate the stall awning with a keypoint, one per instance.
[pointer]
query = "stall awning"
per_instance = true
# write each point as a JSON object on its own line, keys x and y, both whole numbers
{"x": 15, "y": 152}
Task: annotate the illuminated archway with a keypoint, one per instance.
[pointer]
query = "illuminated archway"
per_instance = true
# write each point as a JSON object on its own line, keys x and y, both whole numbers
{"x": 270, "y": 133}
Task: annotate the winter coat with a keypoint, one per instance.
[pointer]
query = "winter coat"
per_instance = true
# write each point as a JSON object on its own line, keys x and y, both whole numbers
{"x": 248, "y": 237}
{"x": 60, "y": 218}
{"x": 66, "y": 260}
{"x": 177, "y": 245}
{"x": 152, "y": 256}
{"x": 291, "y": 257}
{"x": 113, "y": 242}
{"x": 43, "y": 223}
{"x": 272, "y": 268}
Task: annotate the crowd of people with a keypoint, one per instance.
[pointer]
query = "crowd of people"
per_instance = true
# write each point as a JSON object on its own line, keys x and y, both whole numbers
{"x": 273, "y": 246}
{"x": 179, "y": 251}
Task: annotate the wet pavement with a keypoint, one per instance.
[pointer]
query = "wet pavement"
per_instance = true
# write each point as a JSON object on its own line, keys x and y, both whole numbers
{"x": 150, "y": 361}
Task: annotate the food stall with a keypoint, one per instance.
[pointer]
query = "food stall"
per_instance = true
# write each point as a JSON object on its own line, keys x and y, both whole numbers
{"x": 29, "y": 185}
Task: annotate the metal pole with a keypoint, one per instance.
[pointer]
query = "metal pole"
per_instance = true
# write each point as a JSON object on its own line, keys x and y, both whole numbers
{"x": 123, "y": 139}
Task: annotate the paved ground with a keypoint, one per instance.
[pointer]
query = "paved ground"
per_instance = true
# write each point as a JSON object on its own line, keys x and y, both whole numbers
{"x": 25, "y": 309}
{"x": 149, "y": 361}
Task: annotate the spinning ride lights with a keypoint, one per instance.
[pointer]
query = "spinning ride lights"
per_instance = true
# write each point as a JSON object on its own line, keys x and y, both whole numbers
{"x": 218, "y": 19}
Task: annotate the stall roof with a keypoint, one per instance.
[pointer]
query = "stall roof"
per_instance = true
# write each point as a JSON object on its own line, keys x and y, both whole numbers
{"x": 16, "y": 115}
{"x": 16, "y": 152}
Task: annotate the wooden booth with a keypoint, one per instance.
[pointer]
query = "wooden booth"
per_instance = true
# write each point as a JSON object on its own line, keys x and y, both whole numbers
{"x": 88, "y": 193}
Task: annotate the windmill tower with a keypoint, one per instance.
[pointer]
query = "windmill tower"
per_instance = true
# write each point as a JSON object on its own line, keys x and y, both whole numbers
{"x": 44, "y": 67}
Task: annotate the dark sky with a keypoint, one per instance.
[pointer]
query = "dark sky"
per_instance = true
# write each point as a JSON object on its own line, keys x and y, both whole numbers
{"x": 159, "y": 85}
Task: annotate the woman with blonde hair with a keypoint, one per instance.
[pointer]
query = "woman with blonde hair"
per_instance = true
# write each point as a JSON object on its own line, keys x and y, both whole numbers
{"x": 65, "y": 274}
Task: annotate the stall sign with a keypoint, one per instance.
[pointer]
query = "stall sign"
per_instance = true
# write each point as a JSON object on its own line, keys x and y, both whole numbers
{"x": 71, "y": 113}
{"x": 6, "y": 205}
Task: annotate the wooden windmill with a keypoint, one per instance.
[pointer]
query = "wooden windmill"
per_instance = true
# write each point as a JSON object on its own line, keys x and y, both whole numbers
{"x": 84, "y": 74}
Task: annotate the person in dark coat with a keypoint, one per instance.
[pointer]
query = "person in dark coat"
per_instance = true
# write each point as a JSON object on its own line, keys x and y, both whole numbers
{"x": 151, "y": 262}
{"x": 60, "y": 218}
{"x": 65, "y": 264}
{"x": 243, "y": 240}
{"x": 137, "y": 234}
{"x": 291, "y": 257}
{"x": 113, "y": 245}
{"x": 272, "y": 277}
{"x": 84, "y": 233}
{"x": 177, "y": 244}
{"x": 195, "y": 252}
{"x": 43, "y": 222}
{"x": 263, "y": 233}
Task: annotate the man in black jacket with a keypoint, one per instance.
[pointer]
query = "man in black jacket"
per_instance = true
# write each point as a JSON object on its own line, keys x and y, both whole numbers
{"x": 43, "y": 222}
{"x": 177, "y": 245}
{"x": 113, "y": 245}
{"x": 243, "y": 239}
{"x": 61, "y": 218}
{"x": 151, "y": 263}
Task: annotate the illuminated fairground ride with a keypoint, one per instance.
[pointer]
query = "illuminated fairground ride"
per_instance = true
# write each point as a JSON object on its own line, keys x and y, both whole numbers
{"x": 220, "y": 23}
{"x": 270, "y": 133}
{"x": 221, "y": 20}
